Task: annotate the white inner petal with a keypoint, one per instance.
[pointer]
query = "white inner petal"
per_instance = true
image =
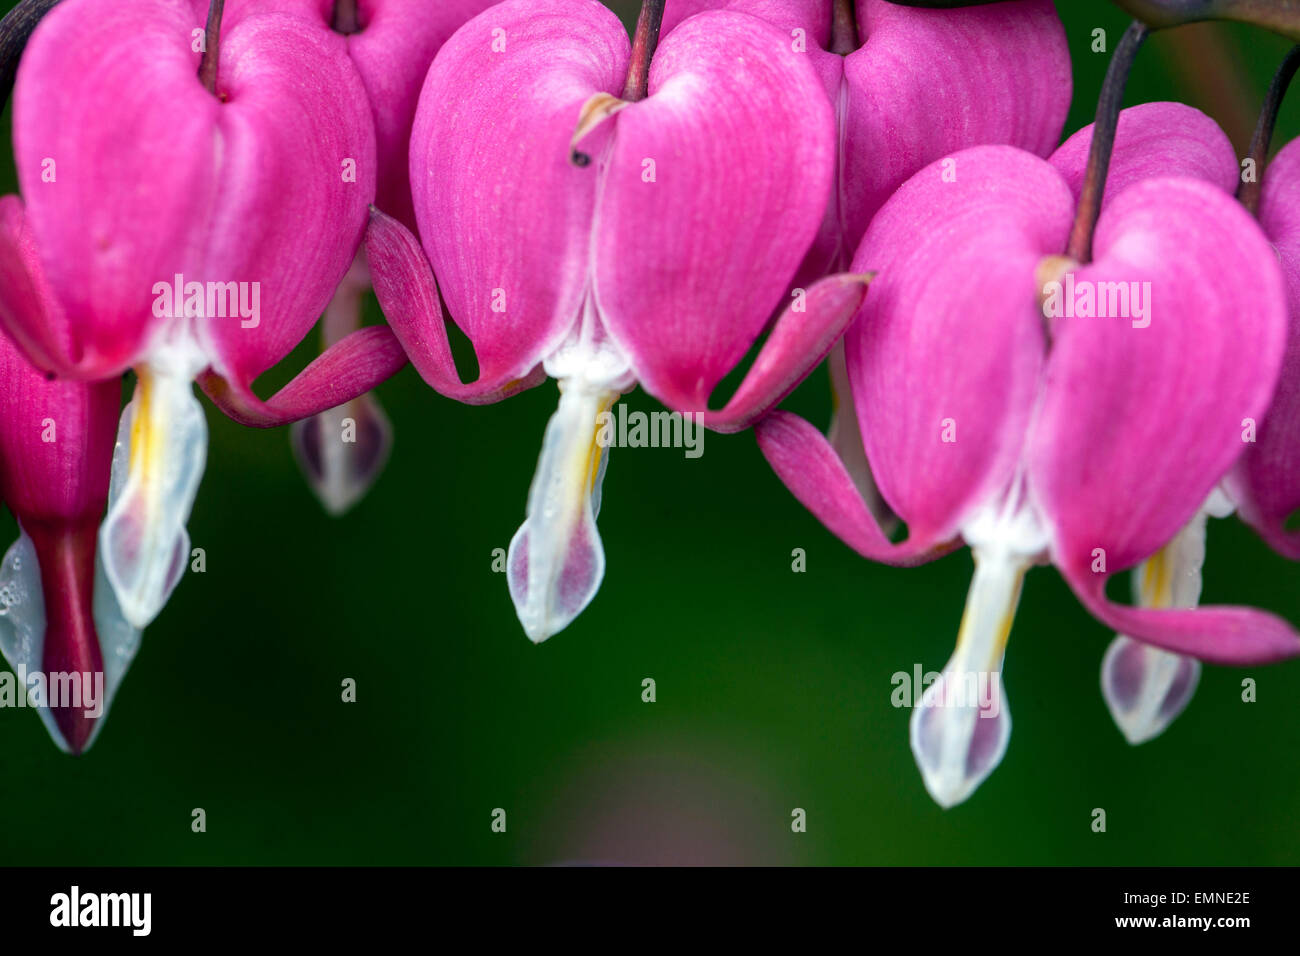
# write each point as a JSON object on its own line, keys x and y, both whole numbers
{"x": 1145, "y": 687}
{"x": 961, "y": 726}
{"x": 157, "y": 465}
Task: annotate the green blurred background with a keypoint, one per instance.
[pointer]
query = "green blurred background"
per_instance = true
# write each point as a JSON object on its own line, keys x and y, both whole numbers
{"x": 773, "y": 687}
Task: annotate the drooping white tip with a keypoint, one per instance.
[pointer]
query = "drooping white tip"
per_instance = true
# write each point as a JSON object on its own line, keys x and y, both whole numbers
{"x": 342, "y": 451}
{"x": 1145, "y": 687}
{"x": 961, "y": 726}
{"x": 556, "y": 560}
{"x": 157, "y": 465}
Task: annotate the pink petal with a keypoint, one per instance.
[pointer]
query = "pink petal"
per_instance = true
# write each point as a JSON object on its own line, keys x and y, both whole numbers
{"x": 284, "y": 86}
{"x": 1153, "y": 140}
{"x": 803, "y": 459}
{"x": 392, "y": 53}
{"x": 1137, "y": 425}
{"x": 348, "y": 368}
{"x": 927, "y": 83}
{"x": 1215, "y": 634}
{"x": 802, "y": 337}
{"x": 1266, "y": 480}
{"x": 104, "y": 90}
{"x": 693, "y": 254}
{"x": 945, "y": 356}
{"x": 28, "y": 310}
{"x": 504, "y": 215}
{"x": 811, "y": 16}
{"x": 56, "y": 443}
{"x": 406, "y": 290}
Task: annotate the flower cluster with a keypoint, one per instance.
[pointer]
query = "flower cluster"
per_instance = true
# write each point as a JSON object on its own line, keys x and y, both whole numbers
{"x": 1052, "y": 353}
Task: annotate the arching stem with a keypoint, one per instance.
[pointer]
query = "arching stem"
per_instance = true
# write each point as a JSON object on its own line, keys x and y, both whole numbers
{"x": 1248, "y": 192}
{"x": 345, "y": 19}
{"x": 1103, "y": 142}
{"x": 844, "y": 28}
{"x": 211, "y": 46}
{"x": 644, "y": 43}
{"x": 15, "y": 29}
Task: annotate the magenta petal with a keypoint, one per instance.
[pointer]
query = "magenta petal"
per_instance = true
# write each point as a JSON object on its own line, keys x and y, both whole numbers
{"x": 801, "y": 337}
{"x": 946, "y": 354}
{"x": 803, "y": 459}
{"x": 29, "y": 312}
{"x": 348, "y": 368}
{"x": 1154, "y": 140}
{"x": 1215, "y": 634}
{"x": 714, "y": 187}
{"x": 408, "y": 295}
{"x": 56, "y": 443}
{"x": 1141, "y": 417}
{"x": 1265, "y": 483}
{"x": 927, "y": 83}
{"x": 284, "y": 86}
{"x": 504, "y": 215}
{"x": 107, "y": 95}
{"x": 811, "y": 16}
{"x": 392, "y": 52}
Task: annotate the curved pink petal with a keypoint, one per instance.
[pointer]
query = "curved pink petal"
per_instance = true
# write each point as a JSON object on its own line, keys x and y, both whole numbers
{"x": 29, "y": 312}
{"x": 392, "y": 52}
{"x": 811, "y": 16}
{"x": 1265, "y": 483}
{"x": 105, "y": 90}
{"x": 927, "y": 83}
{"x": 1154, "y": 140}
{"x": 56, "y": 446}
{"x": 56, "y": 443}
{"x": 504, "y": 215}
{"x": 407, "y": 292}
{"x": 348, "y": 368}
{"x": 802, "y": 336}
{"x": 713, "y": 188}
{"x": 106, "y": 101}
{"x": 805, "y": 461}
{"x": 1142, "y": 411}
{"x": 391, "y": 44}
{"x": 1216, "y": 634}
{"x": 945, "y": 356}
{"x": 284, "y": 86}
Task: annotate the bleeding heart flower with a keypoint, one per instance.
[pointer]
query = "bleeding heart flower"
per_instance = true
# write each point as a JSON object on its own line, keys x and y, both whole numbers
{"x": 391, "y": 43}
{"x": 607, "y": 241}
{"x": 1145, "y": 687}
{"x": 1265, "y": 485}
{"x": 184, "y": 228}
{"x": 911, "y": 86}
{"x": 60, "y": 626}
{"x": 995, "y": 417}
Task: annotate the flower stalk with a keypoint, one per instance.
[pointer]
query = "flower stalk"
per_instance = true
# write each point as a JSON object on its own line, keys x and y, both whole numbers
{"x": 1103, "y": 141}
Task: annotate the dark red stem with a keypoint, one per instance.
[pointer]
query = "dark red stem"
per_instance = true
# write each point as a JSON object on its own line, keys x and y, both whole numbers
{"x": 1103, "y": 141}
{"x": 1248, "y": 192}
{"x": 66, "y": 554}
{"x": 211, "y": 46}
{"x": 644, "y": 43}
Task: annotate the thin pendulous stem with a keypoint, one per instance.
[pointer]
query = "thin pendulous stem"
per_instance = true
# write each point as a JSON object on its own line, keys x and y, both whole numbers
{"x": 15, "y": 29}
{"x": 644, "y": 43}
{"x": 211, "y": 46}
{"x": 345, "y": 18}
{"x": 844, "y": 28}
{"x": 1103, "y": 141}
{"x": 1248, "y": 191}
